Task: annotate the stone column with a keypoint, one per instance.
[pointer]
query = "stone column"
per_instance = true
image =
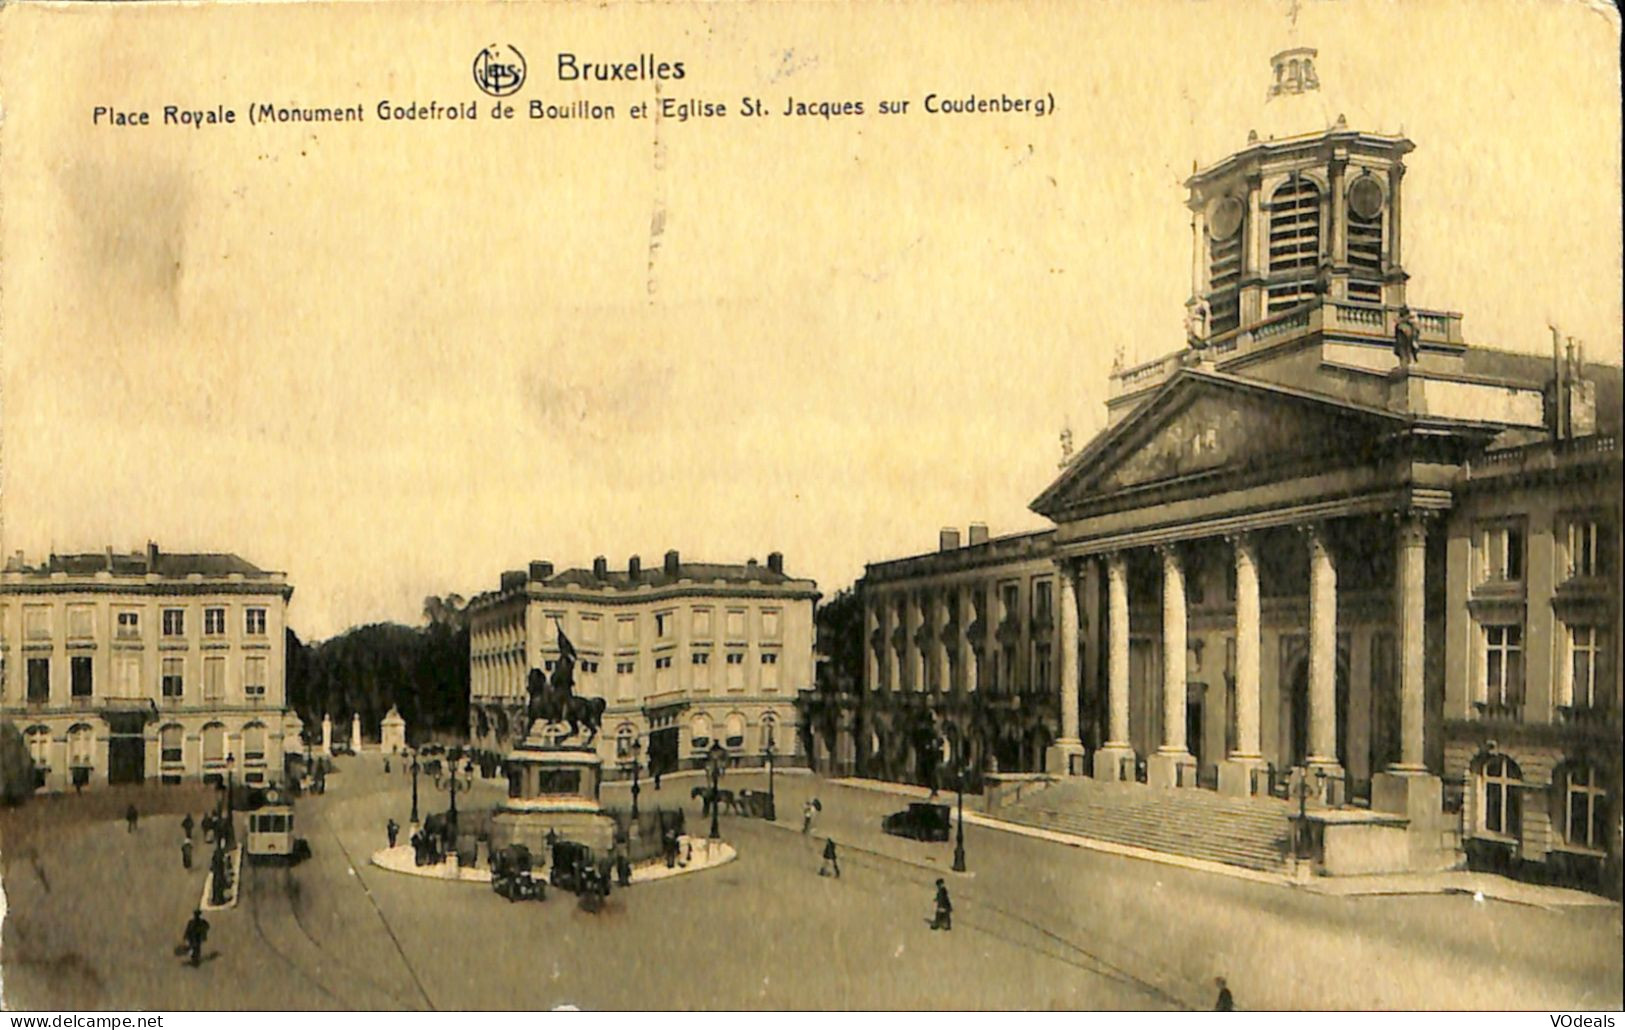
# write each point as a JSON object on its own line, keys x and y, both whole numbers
{"x": 1172, "y": 765}
{"x": 1110, "y": 759}
{"x": 1407, "y": 787}
{"x": 1236, "y": 773}
{"x": 1066, "y": 755}
{"x": 874, "y": 638}
{"x": 1323, "y": 728}
{"x": 1339, "y": 252}
{"x": 888, "y": 626}
{"x": 1394, "y": 292}
{"x": 911, "y": 648}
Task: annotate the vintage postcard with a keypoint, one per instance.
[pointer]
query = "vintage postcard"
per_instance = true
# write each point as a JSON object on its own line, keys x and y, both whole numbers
{"x": 809, "y": 506}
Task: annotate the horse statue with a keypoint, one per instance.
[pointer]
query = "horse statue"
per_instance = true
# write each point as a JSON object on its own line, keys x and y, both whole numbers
{"x": 553, "y": 699}
{"x": 723, "y": 797}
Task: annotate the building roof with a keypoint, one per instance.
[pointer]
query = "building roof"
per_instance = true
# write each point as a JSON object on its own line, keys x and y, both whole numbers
{"x": 1536, "y": 370}
{"x": 171, "y": 566}
{"x": 657, "y": 576}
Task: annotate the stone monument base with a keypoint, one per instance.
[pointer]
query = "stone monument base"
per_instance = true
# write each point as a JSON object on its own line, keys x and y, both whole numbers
{"x": 552, "y": 788}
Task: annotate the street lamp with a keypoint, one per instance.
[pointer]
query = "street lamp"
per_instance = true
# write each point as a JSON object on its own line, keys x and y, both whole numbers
{"x": 231, "y": 803}
{"x": 717, "y": 754}
{"x": 636, "y": 750}
{"x": 415, "y": 767}
{"x": 959, "y": 830}
{"x": 767, "y": 752}
{"x": 1303, "y": 809}
{"x": 454, "y": 782}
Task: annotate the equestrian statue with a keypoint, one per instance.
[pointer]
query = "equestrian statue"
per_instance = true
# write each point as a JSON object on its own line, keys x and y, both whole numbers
{"x": 553, "y": 698}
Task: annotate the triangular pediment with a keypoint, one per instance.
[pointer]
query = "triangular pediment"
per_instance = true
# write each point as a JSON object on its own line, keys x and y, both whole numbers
{"x": 1201, "y": 425}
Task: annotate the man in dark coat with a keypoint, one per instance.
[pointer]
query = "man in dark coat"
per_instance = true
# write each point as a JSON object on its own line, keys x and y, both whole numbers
{"x": 945, "y": 909}
{"x": 186, "y": 825}
{"x": 130, "y": 817}
{"x": 186, "y": 852}
{"x": 1225, "y": 1002}
{"x": 832, "y": 865}
{"x": 197, "y": 931}
{"x": 393, "y": 828}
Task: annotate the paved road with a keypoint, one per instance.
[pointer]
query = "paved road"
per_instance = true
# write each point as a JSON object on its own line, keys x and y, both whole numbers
{"x": 1037, "y": 925}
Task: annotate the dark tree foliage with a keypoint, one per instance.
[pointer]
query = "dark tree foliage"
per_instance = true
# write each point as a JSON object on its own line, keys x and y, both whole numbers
{"x": 16, "y": 766}
{"x": 840, "y": 641}
{"x": 422, "y": 671}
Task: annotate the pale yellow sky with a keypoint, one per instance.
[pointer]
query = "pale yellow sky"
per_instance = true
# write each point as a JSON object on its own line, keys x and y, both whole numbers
{"x": 395, "y": 360}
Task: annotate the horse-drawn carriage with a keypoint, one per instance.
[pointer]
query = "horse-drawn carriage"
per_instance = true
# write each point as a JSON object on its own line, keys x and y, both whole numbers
{"x": 754, "y": 803}
{"x": 576, "y": 869}
{"x": 511, "y": 875}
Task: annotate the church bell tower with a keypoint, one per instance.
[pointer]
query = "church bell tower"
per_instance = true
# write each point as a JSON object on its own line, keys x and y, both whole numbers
{"x": 1310, "y": 213}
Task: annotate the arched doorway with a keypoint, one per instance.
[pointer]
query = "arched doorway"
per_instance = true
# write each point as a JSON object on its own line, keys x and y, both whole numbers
{"x": 1297, "y": 718}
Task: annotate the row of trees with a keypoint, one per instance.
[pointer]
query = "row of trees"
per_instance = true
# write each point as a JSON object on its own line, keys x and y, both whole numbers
{"x": 420, "y": 670}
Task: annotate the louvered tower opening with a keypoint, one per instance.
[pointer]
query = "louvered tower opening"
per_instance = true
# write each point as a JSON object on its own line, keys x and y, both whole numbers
{"x": 1365, "y": 242}
{"x": 1224, "y": 280}
{"x": 1294, "y": 243}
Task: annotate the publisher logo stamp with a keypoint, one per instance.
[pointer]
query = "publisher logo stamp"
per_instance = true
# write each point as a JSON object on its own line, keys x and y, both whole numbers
{"x": 499, "y": 70}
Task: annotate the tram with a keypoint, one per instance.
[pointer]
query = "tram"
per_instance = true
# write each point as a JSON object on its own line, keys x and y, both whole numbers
{"x": 270, "y": 831}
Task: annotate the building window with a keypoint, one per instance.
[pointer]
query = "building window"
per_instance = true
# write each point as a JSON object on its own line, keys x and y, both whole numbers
{"x": 1500, "y": 554}
{"x": 1503, "y": 666}
{"x": 169, "y": 744}
{"x": 254, "y": 622}
{"x": 736, "y": 670}
{"x": 1225, "y": 221}
{"x": 625, "y": 668}
{"x": 1041, "y": 668}
{"x": 663, "y": 625}
{"x": 663, "y": 662}
{"x": 770, "y": 731}
{"x": 770, "y": 624}
{"x": 174, "y": 678}
{"x": 37, "y": 622}
{"x": 174, "y": 622}
{"x": 214, "y": 622}
{"x": 589, "y": 666}
{"x": 254, "y": 678}
{"x": 39, "y": 680}
{"x": 254, "y": 742}
{"x": 1365, "y": 214}
{"x": 624, "y": 736}
{"x": 1294, "y": 243}
{"x": 699, "y": 733}
{"x": 214, "y": 743}
{"x": 702, "y": 622}
{"x": 1500, "y": 780}
{"x": 701, "y": 671}
{"x": 736, "y": 624}
{"x": 38, "y": 739}
{"x": 81, "y": 676}
{"x": 591, "y": 629}
{"x": 1587, "y": 544}
{"x": 81, "y": 747}
{"x": 1585, "y": 812}
{"x": 770, "y": 670}
{"x": 1043, "y": 602}
{"x": 127, "y": 676}
{"x": 735, "y": 731}
{"x": 129, "y": 625}
{"x": 626, "y": 629}
{"x": 81, "y": 622}
{"x": 214, "y": 679}
{"x": 1585, "y": 657}
{"x": 700, "y": 658}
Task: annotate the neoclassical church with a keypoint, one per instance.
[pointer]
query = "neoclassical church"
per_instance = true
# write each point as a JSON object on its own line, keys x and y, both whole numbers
{"x": 1326, "y": 549}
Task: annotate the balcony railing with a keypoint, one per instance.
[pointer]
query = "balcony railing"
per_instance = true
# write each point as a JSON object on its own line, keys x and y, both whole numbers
{"x": 1499, "y": 710}
{"x": 1584, "y": 715}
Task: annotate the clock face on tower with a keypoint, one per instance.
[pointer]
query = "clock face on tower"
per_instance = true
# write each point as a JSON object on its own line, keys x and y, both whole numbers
{"x": 1224, "y": 218}
{"x": 1365, "y": 197}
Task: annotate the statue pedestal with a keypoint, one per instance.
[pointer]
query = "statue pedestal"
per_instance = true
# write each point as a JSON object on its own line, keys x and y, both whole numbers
{"x": 552, "y": 788}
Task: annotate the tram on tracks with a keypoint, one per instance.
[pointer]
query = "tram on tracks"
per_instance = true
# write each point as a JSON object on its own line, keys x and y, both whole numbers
{"x": 271, "y": 831}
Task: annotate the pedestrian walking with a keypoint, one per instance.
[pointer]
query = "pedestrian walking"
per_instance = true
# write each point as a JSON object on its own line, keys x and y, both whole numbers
{"x": 623, "y": 869}
{"x": 130, "y": 818}
{"x": 1225, "y": 1002}
{"x": 394, "y": 830}
{"x": 945, "y": 909}
{"x": 807, "y": 811}
{"x": 654, "y": 770}
{"x": 386, "y": 765}
{"x": 832, "y": 864}
{"x": 186, "y": 825}
{"x": 186, "y": 852}
{"x": 197, "y": 931}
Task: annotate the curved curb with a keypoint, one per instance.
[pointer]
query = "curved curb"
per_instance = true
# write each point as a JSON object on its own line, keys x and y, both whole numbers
{"x": 401, "y": 859}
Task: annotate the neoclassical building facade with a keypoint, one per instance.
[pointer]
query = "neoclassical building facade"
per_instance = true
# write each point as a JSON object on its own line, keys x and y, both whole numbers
{"x": 124, "y": 668}
{"x": 1327, "y": 546}
{"x": 684, "y": 654}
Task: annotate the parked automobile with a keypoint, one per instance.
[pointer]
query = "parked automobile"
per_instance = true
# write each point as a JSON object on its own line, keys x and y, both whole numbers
{"x": 921, "y": 821}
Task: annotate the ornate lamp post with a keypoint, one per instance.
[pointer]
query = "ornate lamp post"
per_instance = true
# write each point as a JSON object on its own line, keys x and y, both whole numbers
{"x": 717, "y": 754}
{"x": 959, "y": 829}
{"x": 231, "y": 803}
{"x": 454, "y": 780}
{"x": 415, "y": 767}
{"x": 767, "y": 752}
{"x": 637, "y": 788}
{"x": 1302, "y": 829}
